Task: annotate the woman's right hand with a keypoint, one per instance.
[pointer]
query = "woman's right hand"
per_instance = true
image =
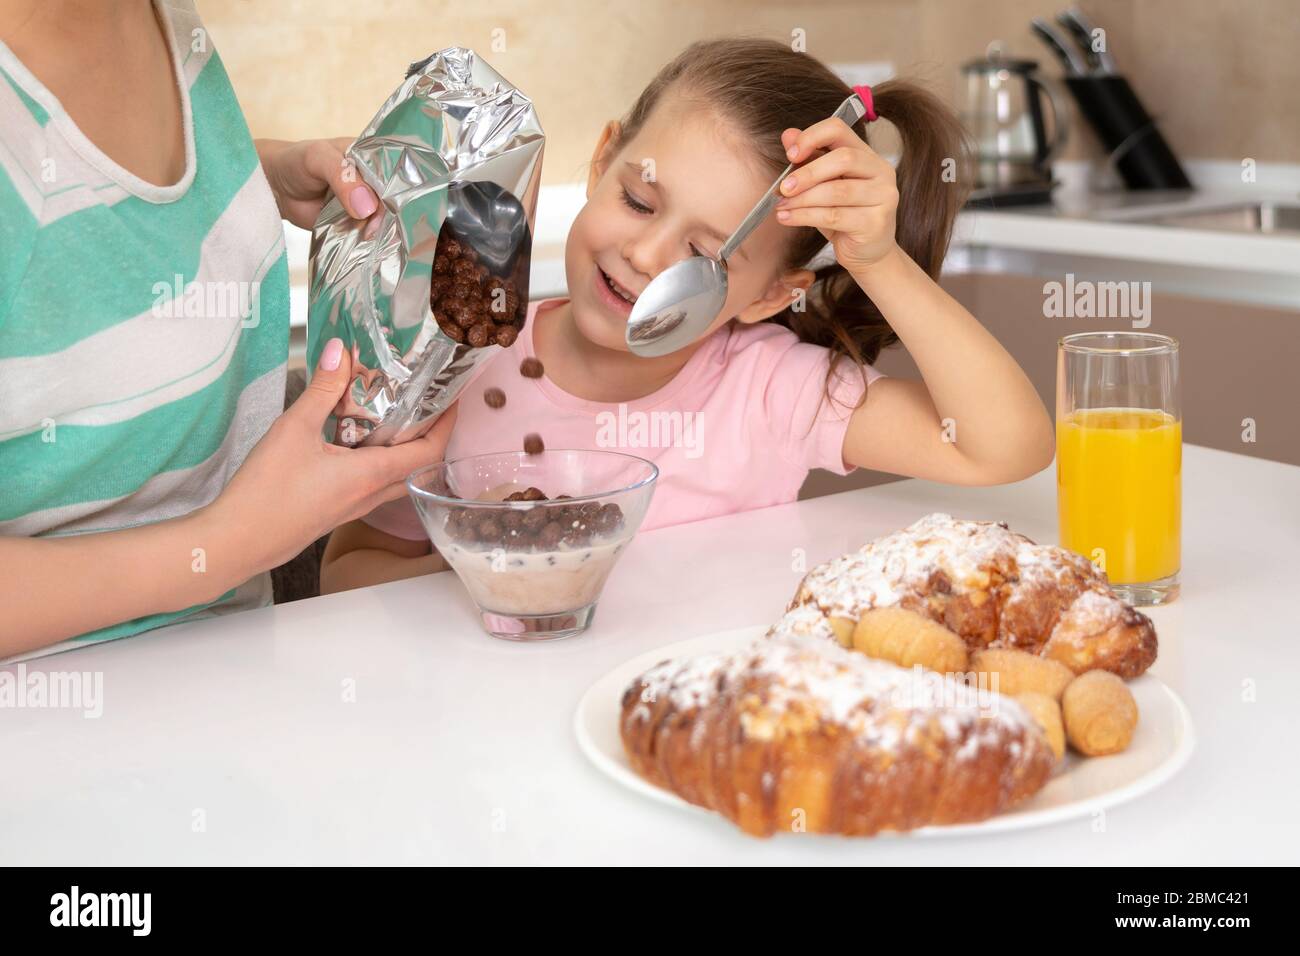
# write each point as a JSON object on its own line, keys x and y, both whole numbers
{"x": 295, "y": 487}
{"x": 292, "y": 489}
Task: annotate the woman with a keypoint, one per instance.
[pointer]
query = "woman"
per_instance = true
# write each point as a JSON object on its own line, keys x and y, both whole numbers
{"x": 144, "y": 333}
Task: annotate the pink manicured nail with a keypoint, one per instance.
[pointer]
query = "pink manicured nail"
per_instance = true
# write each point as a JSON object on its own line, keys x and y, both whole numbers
{"x": 363, "y": 201}
{"x": 792, "y": 152}
{"x": 789, "y": 184}
{"x": 783, "y": 214}
{"x": 333, "y": 354}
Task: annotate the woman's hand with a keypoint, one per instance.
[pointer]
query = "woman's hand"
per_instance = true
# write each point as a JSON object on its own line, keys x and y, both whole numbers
{"x": 294, "y": 487}
{"x": 844, "y": 188}
{"x": 303, "y": 174}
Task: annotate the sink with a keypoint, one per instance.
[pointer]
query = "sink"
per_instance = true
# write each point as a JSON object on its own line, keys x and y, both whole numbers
{"x": 1256, "y": 217}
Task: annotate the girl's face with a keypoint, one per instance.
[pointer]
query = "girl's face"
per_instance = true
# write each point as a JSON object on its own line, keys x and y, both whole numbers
{"x": 678, "y": 189}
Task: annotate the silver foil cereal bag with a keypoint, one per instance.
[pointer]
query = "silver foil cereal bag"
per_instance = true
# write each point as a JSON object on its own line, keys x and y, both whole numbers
{"x": 436, "y": 281}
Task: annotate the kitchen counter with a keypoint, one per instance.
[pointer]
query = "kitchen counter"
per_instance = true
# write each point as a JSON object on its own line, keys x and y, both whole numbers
{"x": 1106, "y": 237}
{"x": 1111, "y": 225}
{"x": 1094, "y": 236}
{"x": 233, "y": 741}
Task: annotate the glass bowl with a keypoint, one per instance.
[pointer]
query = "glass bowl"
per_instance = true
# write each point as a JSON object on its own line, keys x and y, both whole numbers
{"x": 534, "y": 566}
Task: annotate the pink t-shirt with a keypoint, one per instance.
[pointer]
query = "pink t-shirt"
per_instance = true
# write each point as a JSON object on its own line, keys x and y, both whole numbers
{"x": 753, "y": 422}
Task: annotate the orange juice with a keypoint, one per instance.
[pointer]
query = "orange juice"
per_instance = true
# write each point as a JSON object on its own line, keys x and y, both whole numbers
{"x": 1119, "y": 490}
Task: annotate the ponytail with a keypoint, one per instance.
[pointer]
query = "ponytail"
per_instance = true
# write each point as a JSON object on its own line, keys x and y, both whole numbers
{"x": 933, "y": 182}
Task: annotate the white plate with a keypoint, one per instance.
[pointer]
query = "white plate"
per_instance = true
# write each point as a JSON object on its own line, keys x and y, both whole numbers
{"x": 1080, "y": 787}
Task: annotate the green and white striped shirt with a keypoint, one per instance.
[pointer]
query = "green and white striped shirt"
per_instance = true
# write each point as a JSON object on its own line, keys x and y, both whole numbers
{"x": 143, "y": 329}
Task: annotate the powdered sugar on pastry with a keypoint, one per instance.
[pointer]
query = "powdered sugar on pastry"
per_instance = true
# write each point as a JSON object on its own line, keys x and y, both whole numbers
{"x": 1096, "y": 608}
{"x": 990, "y": 586}
{"x": 1096, "y": 627}
{"x": 791, "y": 681}
{"x": 793, "y": 732}
{"x": 806, "y": 620}
{"x": 881, "y": 572}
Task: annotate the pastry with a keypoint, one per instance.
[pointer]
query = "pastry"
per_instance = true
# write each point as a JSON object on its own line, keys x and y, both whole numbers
{"x": 794, "y": 733}
{"x": 1047, "y": 712}
{"x": 1100, "y": 714}
{"x": 1019, "y": 672}
{"x": 993, "y": 588}
{"x": 909, "y": 640}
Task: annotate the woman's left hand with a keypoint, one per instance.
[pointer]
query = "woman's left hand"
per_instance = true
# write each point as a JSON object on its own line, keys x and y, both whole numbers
{"x": 304, "y": 174}
{"x": 844, "y": 188}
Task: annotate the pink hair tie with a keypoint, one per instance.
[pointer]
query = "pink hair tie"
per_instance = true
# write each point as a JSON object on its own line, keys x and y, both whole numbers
{"x": 864, "y": 94}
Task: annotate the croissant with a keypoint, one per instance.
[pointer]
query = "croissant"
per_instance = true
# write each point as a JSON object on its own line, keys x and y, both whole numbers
{"x": 990, "y": 586}
{"x": 797, "y": 734}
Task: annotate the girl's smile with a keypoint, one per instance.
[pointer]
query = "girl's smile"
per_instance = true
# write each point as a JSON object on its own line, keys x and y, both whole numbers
{"x": 614, "y": 294}
{"x": 672, "y": 190}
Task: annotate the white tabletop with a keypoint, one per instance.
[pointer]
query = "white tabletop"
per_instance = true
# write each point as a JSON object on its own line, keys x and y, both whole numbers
{"x": 230, "y": 741}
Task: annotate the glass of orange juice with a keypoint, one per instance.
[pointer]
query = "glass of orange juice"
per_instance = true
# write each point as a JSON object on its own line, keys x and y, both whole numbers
{"x": 1119, "y": 454}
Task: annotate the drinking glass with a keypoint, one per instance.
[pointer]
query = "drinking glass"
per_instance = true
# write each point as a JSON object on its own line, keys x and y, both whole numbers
{"x": 1119, "y": 444}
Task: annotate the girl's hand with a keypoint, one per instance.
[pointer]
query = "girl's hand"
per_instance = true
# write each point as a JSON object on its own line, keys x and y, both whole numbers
{"x": 294, "y": 487}
{"x": 303, "y": 174}
{"x": 844, "y": 188}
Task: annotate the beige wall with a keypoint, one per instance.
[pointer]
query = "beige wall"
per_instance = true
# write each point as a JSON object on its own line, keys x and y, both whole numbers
{"x": 1222, "y": 77}
{"x": 1236, "y": 363}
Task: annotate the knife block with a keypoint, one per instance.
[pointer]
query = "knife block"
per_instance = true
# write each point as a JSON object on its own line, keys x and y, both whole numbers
{"x": 1137, "y": 149}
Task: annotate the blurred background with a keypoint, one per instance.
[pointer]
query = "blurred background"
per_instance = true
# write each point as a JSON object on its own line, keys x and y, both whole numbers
{"x": 1214, "y": 73}
{"x": 1158, "y": 145}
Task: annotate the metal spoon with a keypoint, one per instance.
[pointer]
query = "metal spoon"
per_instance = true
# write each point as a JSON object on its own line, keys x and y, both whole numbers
{"x": 680, "y": 303}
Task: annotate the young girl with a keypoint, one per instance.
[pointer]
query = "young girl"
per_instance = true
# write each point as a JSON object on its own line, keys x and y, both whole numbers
{"x": 783, "y": 382}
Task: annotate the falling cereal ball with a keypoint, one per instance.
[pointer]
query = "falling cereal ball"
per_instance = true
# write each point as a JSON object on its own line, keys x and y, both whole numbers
{"x": 533, "y": 444}
{"x": 494, "y": 397}
{"x": 531, "y": 368}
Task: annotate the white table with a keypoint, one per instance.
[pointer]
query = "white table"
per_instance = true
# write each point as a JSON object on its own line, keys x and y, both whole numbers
{"x": 230, "y": 741}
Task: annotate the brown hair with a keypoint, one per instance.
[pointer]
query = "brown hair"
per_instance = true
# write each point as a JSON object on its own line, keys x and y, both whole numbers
{"x": 764, "y": 87}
